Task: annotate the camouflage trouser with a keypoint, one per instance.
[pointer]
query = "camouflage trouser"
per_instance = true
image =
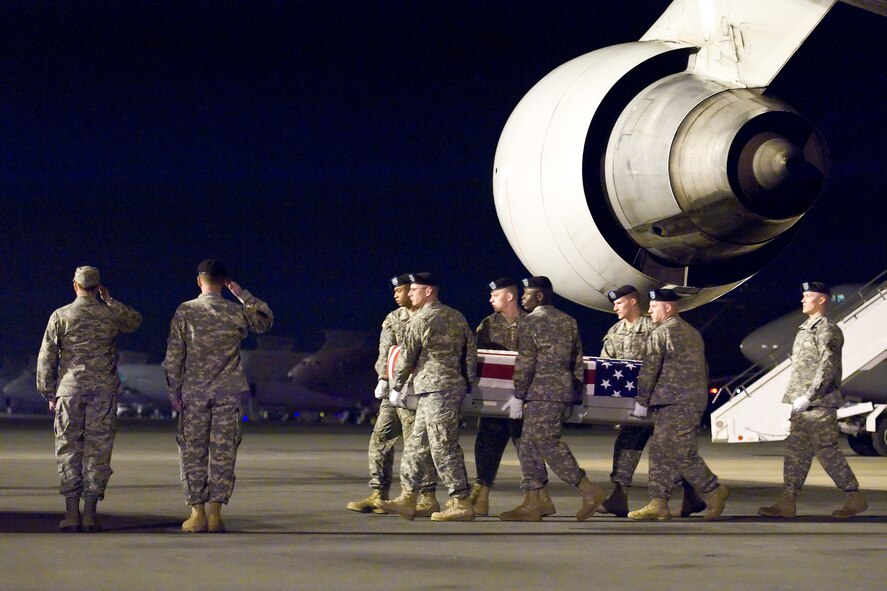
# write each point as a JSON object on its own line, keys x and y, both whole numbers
{"x": 208, "y": 436}
{"x": 84, "y": 426}
{"x": 493, "y": 434}
{"x": 815, "y": 432}
{"x": 541, "y": 443}
{"x": 674, "y": 452}
{"x": 391, "y": 422}
{"x": 627, "y": 453}
{"x": 435, "y": 442}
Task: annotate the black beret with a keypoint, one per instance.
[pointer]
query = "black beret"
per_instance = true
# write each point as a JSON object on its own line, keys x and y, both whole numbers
{"x": 501, "y": 282}
{"x": 423, "y": 279}
{"x": 400, "y": 280}
{"x": 539, "y": 281}
{"x": 817, "y": 286}
{"x": 663, "y": 295}
{"x": 212, "y": 267}
{"x": 615, "y": 294}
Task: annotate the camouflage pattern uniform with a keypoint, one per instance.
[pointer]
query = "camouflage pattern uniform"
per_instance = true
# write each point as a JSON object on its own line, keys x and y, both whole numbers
{"x": 816, "y": 373}
{"x": 625, "y": 340}
{"x": 673, "y": 383}
{"x": 440, "y": 346}
{"x": 495, "y": 332}
{"x": 549, "y": 375}
{"x": 204, "y": 371}
{"x": 77, "y": 369}
{"x": 392, "y": 420}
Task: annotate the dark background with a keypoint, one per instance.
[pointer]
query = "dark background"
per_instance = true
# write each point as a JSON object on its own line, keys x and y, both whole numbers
{"x": 317, "y": 148}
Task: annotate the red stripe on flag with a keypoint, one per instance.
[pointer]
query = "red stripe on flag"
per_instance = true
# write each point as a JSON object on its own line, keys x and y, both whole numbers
{"x": 495, "y": 371}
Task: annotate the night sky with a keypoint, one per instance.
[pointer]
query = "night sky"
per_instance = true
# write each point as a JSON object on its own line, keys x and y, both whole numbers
{"x": 317, "y": 148}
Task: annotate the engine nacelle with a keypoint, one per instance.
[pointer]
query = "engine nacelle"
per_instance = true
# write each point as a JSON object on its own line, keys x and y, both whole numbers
{"x": 621, "y": 166}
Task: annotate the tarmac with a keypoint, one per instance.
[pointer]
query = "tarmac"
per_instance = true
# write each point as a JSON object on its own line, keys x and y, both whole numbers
{"x": 288, "y": 527}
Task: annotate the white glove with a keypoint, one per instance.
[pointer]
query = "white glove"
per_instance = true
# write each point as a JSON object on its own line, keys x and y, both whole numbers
{"x": 381, "y": 389}
{"x": 639, "y": 411}
{"x": 801, "y": 404}
{"x": 515, "y": 408}
{"x": 396, "y": 398}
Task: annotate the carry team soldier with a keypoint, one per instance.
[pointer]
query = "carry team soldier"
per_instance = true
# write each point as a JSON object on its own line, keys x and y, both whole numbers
{"x": 549, "y": 374}
{"x": 673, "y": 383}
{"x": 393, "y": 420}
{"x": 439, "y": 349}
{"x": 498, "y": 331}
{"x": 627, "y": 339}
{"x": 205, "y": 379}
{"x": 77, "y": 375}
{"x": 815, "y": 395}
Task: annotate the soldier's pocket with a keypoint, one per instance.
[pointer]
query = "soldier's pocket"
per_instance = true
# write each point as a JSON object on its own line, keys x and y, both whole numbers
{"x": 180, "y": 432}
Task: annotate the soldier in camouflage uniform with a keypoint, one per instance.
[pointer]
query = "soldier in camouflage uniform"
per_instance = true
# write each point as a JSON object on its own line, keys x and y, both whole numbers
{"x": 77, "y": 374}
{"x": 393, "y": 420}
{"x": 549, "y": 375}
{"x": 440, "y": 351}
{"x": 205, "y": 379}
{"x": 814, "y": 393}
{"x": 673, "y": 382}
{"x": 627, "y": 339}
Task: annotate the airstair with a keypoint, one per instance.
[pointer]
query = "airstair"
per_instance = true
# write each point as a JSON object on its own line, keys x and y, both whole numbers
{"x": 755, "y": 412}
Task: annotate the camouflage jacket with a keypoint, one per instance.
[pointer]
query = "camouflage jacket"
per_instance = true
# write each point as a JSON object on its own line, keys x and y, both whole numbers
{"x": 628, "y": 341}
{"x": 495, "y": 332}
{"x": 79, "y": 350}
{"x": 816, "y": 363}
{"x": 440, "y": 346}
{"x": 394, "y": 329}
{"x": 549, "y": 362}
{"x": 674, "y": 369}
{"x": 203, "y": 350}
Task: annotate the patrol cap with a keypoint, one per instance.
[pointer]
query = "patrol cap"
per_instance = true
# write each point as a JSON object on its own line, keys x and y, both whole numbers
{"x": 212, "y": 267}
{"x": 663, "y": 295}
{"x": 423, "y": 279}
{"x": 816, "y": 286}
{"x": 87, "y": 276}
{"x": 399, "y": 280}
{"x": 615, "y": 294}
{"x": 540, "y": 281}
{"x": 501, "y": 282}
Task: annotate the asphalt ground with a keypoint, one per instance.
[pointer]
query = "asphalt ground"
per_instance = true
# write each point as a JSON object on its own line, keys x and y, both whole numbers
{"x": 288, "y": 527}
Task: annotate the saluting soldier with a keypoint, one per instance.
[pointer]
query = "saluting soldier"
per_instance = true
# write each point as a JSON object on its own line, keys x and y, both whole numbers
{"x": 205, "y": 378}
{"x": 439, "y": 349}
{"x": 549, "y": 374}
{"x": 673, "y": 383}
{"x": 814, "y": 391}
{"x": 627, "y": 339}
{"x": 77, "y": 375}
{"x": 393, "y": 420}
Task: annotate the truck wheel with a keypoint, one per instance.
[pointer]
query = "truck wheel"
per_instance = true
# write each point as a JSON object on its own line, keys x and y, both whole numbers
{"x": 862, "y": 444}
{"x": 879, "y": 437}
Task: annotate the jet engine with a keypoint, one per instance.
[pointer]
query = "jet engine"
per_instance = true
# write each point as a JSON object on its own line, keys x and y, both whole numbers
{"x": 626, "y": 166}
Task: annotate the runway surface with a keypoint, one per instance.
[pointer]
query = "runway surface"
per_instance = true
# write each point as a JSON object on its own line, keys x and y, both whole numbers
{"x": 288, "y": 528}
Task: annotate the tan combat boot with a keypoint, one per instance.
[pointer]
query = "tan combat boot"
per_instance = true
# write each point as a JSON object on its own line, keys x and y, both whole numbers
{"x": 480, "y": 498}
{"x": 197, "y": 521}
{"x": 656, "y": 510}
{"x": 427, "y": 504}
{"x": 404, "y": 505}
{"x": 592, "y": 496}
{"x": 529, "y": 510}
{"x": 367, "y": 505}
{"x": 716, "y": 500}
{"x": 785, "y": 507}
{"x": 459, "y": 510}
{"x": 214, "y": 523}
{"x": 89, "y": 522}
{"x": 546, "y": 503}
{"x": 616, "y": 503}
{"x": 854, "y": 504}
{"x": 691, "y": 503}
{"x": 71, "y": 522}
